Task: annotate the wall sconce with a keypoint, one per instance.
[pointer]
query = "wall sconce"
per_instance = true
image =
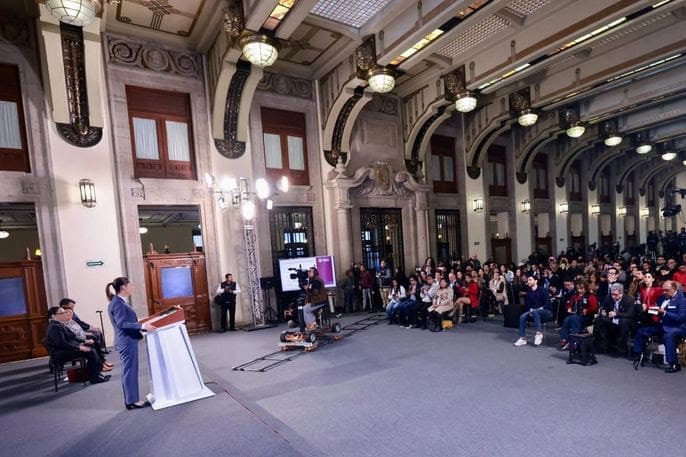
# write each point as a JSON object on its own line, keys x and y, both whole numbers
{"x": 37, "y": 252}
{"x": 526, "y": 206}
{"x": 595, "y": 209}
{"x": 478, "y": 205}
{"x": 564, "y": 207}
{"x": 621, "y": 211}
{"x": 645, "y": 212}
{"x": 87, "y": 189}
{"x": 142, "y": 230}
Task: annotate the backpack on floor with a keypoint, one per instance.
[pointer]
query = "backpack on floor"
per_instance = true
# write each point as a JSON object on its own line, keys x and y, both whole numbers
{"x": 581, "y": 349}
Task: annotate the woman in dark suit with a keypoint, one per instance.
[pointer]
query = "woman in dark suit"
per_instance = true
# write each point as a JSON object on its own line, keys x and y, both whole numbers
{"x": 127, "y": 333}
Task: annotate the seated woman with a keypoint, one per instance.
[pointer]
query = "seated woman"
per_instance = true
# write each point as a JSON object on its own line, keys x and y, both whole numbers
{"x": 395, "y": 294}
{"x": 85, "y": 338}
{"x": 497, "y": 286}
{"x": 442, "y": 303}
{"x": 581, "y": 308}
{"x": 64, "y": 346}
{"x": 469, "y": 292}
{"x": 405, "y": 305}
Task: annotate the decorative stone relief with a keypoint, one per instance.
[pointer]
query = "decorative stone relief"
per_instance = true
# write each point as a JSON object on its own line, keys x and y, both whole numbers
{"x": 286, "y": 85}
{"x": 380, "y": 181}
{"x": 229, "y": 146}
{"x": 148, "y": 57}
{"x": 29, "y": 187}
{"x": 138, "y": 192}
{"x": 378, "y": 132}
{"x": 15, "y": 31}
{"x": 383, "y": 104}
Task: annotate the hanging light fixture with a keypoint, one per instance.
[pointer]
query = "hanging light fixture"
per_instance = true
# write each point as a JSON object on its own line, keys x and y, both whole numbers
{"x": 381, "y": 80}
{"x": 3, "y": 233}
{"x": 576, "y": 130}
{"x": 142, "y": 230}
{"x": 644, "y": 148}
{"x": 666, "y": 150}
{"x": 668, "y": 155}
{"x": 465, "y": 102}
{"x": 527, "y": 118}
{"x": 87, "y": 189}
{"x": 74, "y": 12}
{"x": 610, "y": 133}
{"x": 260, "y": 49}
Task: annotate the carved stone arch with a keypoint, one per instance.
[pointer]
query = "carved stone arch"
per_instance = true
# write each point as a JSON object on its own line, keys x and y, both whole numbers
{"x": 526, "y": 157}
{"x": 626, "y": 168}
{"x": 341, "y": 119}
{"x": 422, "y": 138}
{"x": 564, "y": 159}
{"x": 601, "y": 158}
{"x": 481, "y": 129}
{"x": 651, "y": 173}
{"x": 668, "y": 178}
{"x": 434, "y": 111}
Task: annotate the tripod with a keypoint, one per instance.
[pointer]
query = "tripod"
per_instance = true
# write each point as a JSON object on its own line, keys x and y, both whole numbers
{"x": 269, "y": 314}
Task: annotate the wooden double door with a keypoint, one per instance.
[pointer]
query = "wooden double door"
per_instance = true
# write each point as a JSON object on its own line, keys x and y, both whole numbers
{"x": 179, "y": 279}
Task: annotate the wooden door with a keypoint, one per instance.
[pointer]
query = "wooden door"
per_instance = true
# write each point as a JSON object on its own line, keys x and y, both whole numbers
{"x": 179, "y": 279}
{"x": 501, "y": 250}
{"x": 23, "y": 310}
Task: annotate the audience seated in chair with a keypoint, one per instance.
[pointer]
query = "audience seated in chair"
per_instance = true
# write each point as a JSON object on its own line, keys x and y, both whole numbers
{"x": 538, "y": 309}
{"x": 64, "y": 346}
{"x": 581, "y": 309}
{"x": 618, "y": 317}
{"x": 672, "y": 326}
{"x": 84, "y": 337}
{"x": 396, "y": 293}
{"x": 469, "y": 295}
{"x": 442, "y": 304}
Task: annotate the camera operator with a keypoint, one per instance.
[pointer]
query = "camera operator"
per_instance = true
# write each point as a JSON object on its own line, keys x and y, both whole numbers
{"x": 316, "y": 298}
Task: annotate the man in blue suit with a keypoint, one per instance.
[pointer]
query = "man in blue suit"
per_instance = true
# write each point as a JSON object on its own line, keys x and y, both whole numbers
{"x": 672, "y": 326}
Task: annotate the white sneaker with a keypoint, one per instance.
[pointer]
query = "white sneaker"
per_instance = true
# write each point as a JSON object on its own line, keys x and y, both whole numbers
{"x": 520, "y": 342}
{"x": 538, "y": 339}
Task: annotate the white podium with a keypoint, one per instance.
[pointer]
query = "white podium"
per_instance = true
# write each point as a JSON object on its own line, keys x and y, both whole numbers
{"x": 174, "y": 373}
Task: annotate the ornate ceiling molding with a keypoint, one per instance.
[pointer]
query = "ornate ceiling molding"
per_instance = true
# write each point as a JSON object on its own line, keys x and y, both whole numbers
{"x": 286, "y": 85}
{"x": 145, "y": 56}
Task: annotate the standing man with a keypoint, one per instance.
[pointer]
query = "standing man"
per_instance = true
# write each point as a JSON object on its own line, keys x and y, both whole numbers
{"x": 226, "y": 299}
{"x": 672, "y": 326}
{"x": 384, "y": 275}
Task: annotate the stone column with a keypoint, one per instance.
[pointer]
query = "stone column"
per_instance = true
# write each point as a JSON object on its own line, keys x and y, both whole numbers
{"x": 422, "y": 212}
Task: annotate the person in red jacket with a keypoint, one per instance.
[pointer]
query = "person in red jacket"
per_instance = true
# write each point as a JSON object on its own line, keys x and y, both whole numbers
{"x": 650, "y": 294}
{"x": 680, "y": 275}
{"x": 469, "y": 295}
{"x": 366, "y": 288}
{"x": 581, "y": 309}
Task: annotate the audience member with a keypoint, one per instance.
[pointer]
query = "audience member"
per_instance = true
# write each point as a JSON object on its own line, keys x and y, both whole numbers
{"x": 538, "y": 310}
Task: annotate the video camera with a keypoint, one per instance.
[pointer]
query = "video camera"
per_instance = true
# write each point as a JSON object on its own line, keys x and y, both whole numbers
{"x": 300, "y": 275}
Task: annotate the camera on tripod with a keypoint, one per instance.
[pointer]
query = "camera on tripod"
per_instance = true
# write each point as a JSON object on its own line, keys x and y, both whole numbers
{"x": 300, "y": 275}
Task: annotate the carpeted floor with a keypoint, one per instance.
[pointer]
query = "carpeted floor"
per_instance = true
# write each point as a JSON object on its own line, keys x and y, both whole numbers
{"x": 384, "y": 391}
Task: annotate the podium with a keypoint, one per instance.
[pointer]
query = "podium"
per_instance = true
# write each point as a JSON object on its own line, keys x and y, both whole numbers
{"x": 174, "y": 373}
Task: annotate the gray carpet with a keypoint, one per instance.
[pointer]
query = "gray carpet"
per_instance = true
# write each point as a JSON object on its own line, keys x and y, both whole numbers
{"x": 385, "y": 391}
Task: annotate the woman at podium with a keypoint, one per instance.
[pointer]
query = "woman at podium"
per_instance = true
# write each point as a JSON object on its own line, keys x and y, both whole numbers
{"x": 127, "y": 334}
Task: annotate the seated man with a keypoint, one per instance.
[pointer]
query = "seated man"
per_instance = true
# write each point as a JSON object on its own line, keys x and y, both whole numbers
{"x": 618, "y": 316}
{"x": 316, "y": 298}
{"x": 63, "y": 345}
{"x": 538, "y": 309}
{"x": 672, "y": 326}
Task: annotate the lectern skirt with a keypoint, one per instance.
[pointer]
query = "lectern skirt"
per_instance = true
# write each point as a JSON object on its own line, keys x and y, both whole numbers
{"x": 129, "y": 371}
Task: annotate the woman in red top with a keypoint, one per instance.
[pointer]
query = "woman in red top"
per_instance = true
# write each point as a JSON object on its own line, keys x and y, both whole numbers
{"x": 581, "y": 307}
{"x": 650, "y": 293}
{"x": 469, "y": 296}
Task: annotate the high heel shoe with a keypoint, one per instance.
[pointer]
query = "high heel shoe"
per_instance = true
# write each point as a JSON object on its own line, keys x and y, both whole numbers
{"x": 137, "y": 405}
